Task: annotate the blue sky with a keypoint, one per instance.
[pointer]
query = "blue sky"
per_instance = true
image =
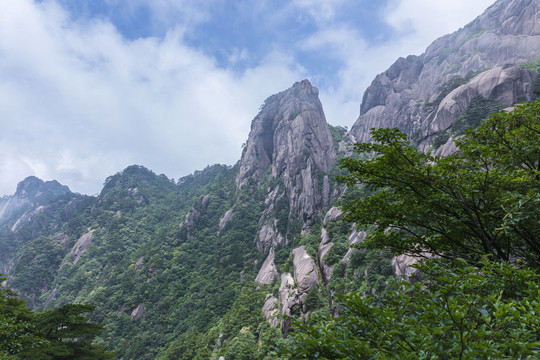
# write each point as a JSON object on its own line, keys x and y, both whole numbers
{"x": 89, "y": 87}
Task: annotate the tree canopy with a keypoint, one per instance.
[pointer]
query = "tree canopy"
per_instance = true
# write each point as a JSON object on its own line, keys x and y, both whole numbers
{"x": 484, "y": 199}
{"x": 61, "y": 333}
{"x": 474, "y": 218}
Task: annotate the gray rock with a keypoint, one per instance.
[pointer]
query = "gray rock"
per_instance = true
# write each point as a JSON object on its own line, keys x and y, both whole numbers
{"x": 305, "y": 269}
{"x": 354, "y": 238}
{"x": 268, "y": 271}
{"x": 270, "y": 310}
{"x": 81, "y": 245}
{"x": 408, "y": 95}
{"x": 268, "y": 236}
{"x": 138, "y": 312}
{"x": 225, "y": 219}
{"x": 324, "y": 246}
{"x": 333, "y": 215}
{"x": 290, "y": 137}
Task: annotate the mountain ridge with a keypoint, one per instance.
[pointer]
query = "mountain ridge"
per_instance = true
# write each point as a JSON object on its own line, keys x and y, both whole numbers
{"x": 212, "y": 261}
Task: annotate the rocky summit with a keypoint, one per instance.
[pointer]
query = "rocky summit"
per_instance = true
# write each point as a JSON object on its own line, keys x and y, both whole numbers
{"x": 424, "y": 95}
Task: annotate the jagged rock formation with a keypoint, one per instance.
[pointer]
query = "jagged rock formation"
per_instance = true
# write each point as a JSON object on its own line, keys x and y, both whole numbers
{"x": 424, "y": 94}
{"x": 31, "y": 195}
{"x": 268, "y": 271}
{"x": 290, "y": 140}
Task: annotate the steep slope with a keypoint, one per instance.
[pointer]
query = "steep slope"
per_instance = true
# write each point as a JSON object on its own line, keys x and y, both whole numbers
{"x": 34, "y": 209}
{"x": 424, "y": 95}
{"x": 290, "y": 140}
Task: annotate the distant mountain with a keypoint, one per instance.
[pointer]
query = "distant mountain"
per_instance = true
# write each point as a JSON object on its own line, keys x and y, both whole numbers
{"x": 491, "y": 63}
{"x": 205, "y": 267}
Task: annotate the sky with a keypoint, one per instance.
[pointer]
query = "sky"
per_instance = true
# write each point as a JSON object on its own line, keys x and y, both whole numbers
{"x": 89, "y": 87}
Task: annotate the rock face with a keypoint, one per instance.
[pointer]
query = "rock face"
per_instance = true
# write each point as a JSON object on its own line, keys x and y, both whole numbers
{"x": 424, "y": 94}
{"x": 30, "y": 195}
{"x": 290, "y": 140}
{"x": 305, "y": 270}
{"x": 81, "y": 245}
{"x": 268, "y": 270}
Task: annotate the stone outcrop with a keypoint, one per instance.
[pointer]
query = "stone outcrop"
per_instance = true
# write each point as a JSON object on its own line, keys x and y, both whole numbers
{"x": 225, "y": 219}
{"x": 268, "y": 271}
{"x": 415, "y": 93}
{"x": 270, "y": 310}
{"x": 81, "y": 245}
{"x": 290, "y": 140}
{"x": 305, "y": 269}
{"x": 32, "y": 193}
{"x": 324, "y": 246}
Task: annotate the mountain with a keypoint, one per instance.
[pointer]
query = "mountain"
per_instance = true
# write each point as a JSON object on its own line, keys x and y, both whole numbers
{"x": 204, "y": 267}
{"x": 489, "y": 64}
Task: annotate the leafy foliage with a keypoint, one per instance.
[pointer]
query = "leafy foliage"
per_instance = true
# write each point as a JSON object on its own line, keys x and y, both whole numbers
{"x": 61, "y": 333}
{"x": 459, "y": 311}
{"x": 481, "y": 200}
{"x": 475, "y": 211}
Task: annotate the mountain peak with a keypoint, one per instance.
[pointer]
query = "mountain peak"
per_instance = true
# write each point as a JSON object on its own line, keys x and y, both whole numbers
{"x": 32, "y": 187}
{"x": 290, "y": 140}
{"x": 424, "y": 95}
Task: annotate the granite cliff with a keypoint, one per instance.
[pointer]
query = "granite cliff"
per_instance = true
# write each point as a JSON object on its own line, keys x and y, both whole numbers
{"x": 424, "y": 95}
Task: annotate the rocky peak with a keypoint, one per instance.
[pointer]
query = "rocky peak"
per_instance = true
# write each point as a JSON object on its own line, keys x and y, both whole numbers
{"x": 290, "y": 140}
{"x": 409, "y": 94}
{"x": 32, "y": 194}
{"x": 32, "y": 187}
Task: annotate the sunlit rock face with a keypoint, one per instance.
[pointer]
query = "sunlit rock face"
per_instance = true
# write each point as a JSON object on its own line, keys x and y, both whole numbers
{"x": 424, "y": 94}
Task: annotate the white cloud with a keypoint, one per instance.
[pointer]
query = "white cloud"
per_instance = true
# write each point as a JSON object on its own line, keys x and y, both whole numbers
{"x": 419, "y": 22}
{"x": 80, "y": 102}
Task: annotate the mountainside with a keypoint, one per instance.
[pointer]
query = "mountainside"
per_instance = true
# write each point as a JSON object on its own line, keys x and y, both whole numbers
{"x": 204, "y": 267}
{"x": 481, "y": 66}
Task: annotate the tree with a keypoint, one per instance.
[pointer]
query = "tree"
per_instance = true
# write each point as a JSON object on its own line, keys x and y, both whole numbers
{"x": 68, "y": 333}
{"x": 477, "y": 214}
{"x": 16, "y": 328}
{"x": 484, "y": 199}
{"x": 459, "y": 311}
{"x": 62, "y": 333}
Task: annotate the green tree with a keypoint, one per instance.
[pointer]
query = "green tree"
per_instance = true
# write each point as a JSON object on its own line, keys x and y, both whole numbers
{"x": 62, "y": 333}
{"x": 477, "y": 214}
{"x": 68, "y": 333}
{"x": 459, "y": 311}
{"x": 16, "y": 328}
{"x": 483, "y": 199}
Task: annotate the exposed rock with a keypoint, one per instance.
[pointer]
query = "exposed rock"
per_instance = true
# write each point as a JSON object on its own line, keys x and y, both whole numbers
{"x": 305, "y": 269}
{"x": 270, "y": 310}
{"x": 82, "y": 244}
{"x": 333, "y": 215}
{"x": 325, "y": 246}
{"x": 225, "y": 219}
{"x": 401, "y": 266}
{"x": 139, "y": 264}
{"x": 290, "y": 137}
{"x": 50, "y": 298}
{"x": 354, "y": 238}
{"x": 138, "y": 312}
{"x": 191, "y": 217}
{"x": 288, "y": 297}
{"x": 268, "y": 271}
{"x": 269, "y": 236}
{"x": 448, "y": 148}
{"x": 27, "y": 216}
{"x": 415, "y": 93}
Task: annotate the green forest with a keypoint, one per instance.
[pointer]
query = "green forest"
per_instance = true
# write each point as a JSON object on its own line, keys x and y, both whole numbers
{"x": 169, "y": 280}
